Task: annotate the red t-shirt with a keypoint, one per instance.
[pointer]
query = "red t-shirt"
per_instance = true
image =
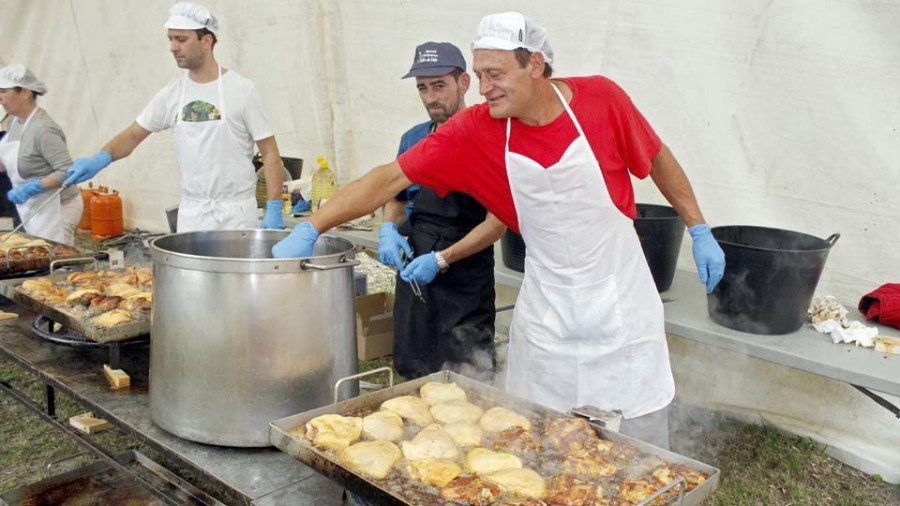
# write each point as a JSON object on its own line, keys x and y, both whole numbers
{"x": 466, "y": 153}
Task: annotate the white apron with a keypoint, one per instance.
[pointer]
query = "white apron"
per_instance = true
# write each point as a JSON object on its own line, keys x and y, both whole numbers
{"x": 218, "y": 183}
{"x": 588, "y": 326}
{"x": 48, "y": 223}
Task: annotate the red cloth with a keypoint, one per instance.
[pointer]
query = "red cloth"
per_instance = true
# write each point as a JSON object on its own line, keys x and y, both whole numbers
{"x": 882, "y": 305}
{"x": 467, "y": 153}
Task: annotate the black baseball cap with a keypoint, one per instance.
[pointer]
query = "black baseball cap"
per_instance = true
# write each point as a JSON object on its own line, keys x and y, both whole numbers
{"x": 436, "y": 59}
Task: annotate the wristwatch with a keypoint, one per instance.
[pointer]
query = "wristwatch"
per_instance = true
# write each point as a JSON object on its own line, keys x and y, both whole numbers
{"x": 443, "y": 266}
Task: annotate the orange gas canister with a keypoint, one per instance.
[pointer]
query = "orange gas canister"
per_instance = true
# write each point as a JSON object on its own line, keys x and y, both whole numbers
{"x": 106, "y": 214}
{"x": 86, "y": 194}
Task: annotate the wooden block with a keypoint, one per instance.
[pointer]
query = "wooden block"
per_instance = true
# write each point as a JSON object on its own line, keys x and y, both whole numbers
{"x": 86, "y": 423}
{"x": 116, "y": 377}
{"x": 885, "y": 344}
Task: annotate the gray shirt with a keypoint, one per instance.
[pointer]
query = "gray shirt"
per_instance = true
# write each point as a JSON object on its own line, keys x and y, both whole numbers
{"x": 42, "y": 150}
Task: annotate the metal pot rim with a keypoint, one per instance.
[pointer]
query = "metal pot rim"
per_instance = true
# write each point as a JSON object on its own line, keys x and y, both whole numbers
{"x": 829, "y": 242}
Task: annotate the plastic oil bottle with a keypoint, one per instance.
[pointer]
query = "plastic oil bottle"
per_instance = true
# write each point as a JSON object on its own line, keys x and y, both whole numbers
{"x": 324, "y": 184}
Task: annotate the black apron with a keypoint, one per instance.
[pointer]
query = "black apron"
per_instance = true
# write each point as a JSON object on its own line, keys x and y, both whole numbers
{"x": 454, "y": 328}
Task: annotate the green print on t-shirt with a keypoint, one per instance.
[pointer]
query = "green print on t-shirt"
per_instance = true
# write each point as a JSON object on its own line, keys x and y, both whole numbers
{"x": 198, "y": 111}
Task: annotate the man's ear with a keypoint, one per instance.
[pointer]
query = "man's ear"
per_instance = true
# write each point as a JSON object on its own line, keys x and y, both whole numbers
{"x": 464, "y": 82}
{"x": 536, "y": 64}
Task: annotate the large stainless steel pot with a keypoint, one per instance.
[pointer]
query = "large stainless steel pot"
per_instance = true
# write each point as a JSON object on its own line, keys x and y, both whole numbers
{"x": 239, "y": 339}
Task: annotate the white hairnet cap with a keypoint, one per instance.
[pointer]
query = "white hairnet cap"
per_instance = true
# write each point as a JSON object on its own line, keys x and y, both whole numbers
{"x": 191, "y": 16}
{"x": 14, "y": 75}
{"x": 512, "y": 30}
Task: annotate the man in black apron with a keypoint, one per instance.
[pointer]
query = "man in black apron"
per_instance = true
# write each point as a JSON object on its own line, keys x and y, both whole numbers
{"x": 451, "y": 324}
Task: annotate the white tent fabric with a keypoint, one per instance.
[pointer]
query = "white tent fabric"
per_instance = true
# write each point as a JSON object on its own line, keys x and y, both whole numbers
{"x": 784, "y": 114}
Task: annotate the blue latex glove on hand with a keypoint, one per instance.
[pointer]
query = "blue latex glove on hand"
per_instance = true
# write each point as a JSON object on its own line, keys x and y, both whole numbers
{"x": 20, "y": 194}
{"x": 422, "y": 270}
{"x": 299, "y": 244}
{"x": 390, "y": 242}
{"x": 273, "y": 218}
{"x": 708, "y": 256}
{"x": 300, "y": 206}
{"x": 83, "y": 169}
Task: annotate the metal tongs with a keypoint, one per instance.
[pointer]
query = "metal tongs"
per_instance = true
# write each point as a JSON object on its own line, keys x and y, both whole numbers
{"x": 33, "y": 214}
{"x": 416, "y": 289}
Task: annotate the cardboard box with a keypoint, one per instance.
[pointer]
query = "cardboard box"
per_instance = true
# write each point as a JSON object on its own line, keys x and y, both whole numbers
{"x": 374, "y": 325}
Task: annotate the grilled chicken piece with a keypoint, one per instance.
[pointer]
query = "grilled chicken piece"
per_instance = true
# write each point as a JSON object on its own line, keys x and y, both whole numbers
{"x": 516, "y": 440}
{"x": 333, "y": 431}
{"x": 665, "y": 474}
{"x": 371, "y": 458}
{"x": 436, "y": 472}
{"x": 519, "y": 482}
{"x": 567, "y": 490}
{"x": 123, "y": 290}
{"x": 82, "y": 297}
{"x": 456, "y": 411}
{"x": 410, "y": 408}
{"x": 522, "y": 501}
{"x": 383, "y": 424}
{"x": 434, "y": 392}
{"x": 498, "y": 418}
{"x": 113, "y": 318}
{"x": 80, "y": 278}
{"x": 144, "y": 275}
{"x": 464, "y": 434}
{"x": 472, "y": 490}
{"x": 31, "y": 285}
{"x": 136, "y": 304}
{"x": 483, "y": 461}
{"x": 622, "y": 454}
{"x": 568, "y": 434}
{"x": 431, "y": 443}
{"x": 44, "y": 290}
{"x": 587, "y": 463}
{"x": 105, "y": 302}
{"x": 638, "y": 489}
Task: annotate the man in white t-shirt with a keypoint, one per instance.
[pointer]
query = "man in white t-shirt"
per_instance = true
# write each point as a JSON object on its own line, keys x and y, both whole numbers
{"x": 216, "y": 116}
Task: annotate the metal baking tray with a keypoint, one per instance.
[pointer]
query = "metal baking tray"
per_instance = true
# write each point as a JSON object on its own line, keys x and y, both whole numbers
{"x": 34, "y": 265}
{"x": 70, "y": 319}
{"x": 99, "y": 483}
{"x": 480, "y": 394}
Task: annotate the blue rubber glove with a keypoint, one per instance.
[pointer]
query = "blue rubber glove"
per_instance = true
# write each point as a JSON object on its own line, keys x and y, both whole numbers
{"x": 21, "y": 193}
{"x": 708, "y": 256}
{"x": 423, "y": 269}
{"x": 300, "y": 206}
{"x": 83, "y": 169}
{"x": 390, "y": 242}
{"x": 273, "y": 218}
{"x": 299, "y": 244}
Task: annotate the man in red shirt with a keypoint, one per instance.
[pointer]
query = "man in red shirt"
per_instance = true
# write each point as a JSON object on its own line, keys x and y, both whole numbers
{"x": 551, "y": 159}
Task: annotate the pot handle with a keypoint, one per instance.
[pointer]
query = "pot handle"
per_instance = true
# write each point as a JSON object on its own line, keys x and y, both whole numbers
{"x": 832, "y": 239}
{"x": 677, "y": 482}
{"x": 337, "y": 385}
{"x": 342, "y": 262}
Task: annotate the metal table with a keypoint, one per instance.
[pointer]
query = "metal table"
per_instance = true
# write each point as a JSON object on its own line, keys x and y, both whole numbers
{"x": 249, "y": 476}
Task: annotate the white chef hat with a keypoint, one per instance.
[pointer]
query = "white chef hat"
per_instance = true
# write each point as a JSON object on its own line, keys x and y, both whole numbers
{"x": 512, "y": 30}
{"x": 191, "y": 16}
{"x": 14, "y": 75}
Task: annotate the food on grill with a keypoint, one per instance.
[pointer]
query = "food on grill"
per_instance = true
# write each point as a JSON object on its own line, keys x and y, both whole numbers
{"x": 113, "y": 318}
{"x": 456, "y": 411}
{"x": 140, "y": 302}
{"x": 371, "y": 458}
{"x": 499, "y": 418}
{"x": 516, "y": 440}
{"x": 464, "y": 434}
{"x": 522, "y": 501}
{"x": 82, "y": 277}
{"x": 105, "y": 302}
{"x": 638, "y": 489}
{"x": 588, "y": 463}
{"x": 471, "y": 489}
{"x": 82, "y": 297}
{"x": 434, "y": 392}
{"x": 33, "y": 284}
{"x": 383, "y": 424}
{"x": 334, "y": 431}
{"x": 430, "y": 443}
{"x": 519, "y": 482}
{"x": 436, "y": 472}
{"x": 123, "y": 290}
{"x": 144, "y": 275}
{"x": 568, "y": 434}
{"x": 665, "y": 474}
{"x": 567, "y": 490}
{"x": 621, "y": 454}
{"x": 483, "y": 461}
{"x": 410, "y": 408}
{"x": 48, "y": 294}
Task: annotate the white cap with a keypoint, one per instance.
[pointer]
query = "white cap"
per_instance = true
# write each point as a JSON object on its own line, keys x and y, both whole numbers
{"x": 511, "y": 30}
{"x": 15, "y": 75}
{"x": 190, "y": 16}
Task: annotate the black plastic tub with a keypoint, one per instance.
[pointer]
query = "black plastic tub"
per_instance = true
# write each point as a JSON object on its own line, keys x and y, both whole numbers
{"x": 513, "y": 247}
{"x": 660, "y": 230}
{"x": 770, "y": 277}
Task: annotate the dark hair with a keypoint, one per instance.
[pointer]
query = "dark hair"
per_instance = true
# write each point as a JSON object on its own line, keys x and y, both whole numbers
{"x": 522, "y": 56}
{"x": 456, "y": 73}
{"x": 204, "y": 31}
